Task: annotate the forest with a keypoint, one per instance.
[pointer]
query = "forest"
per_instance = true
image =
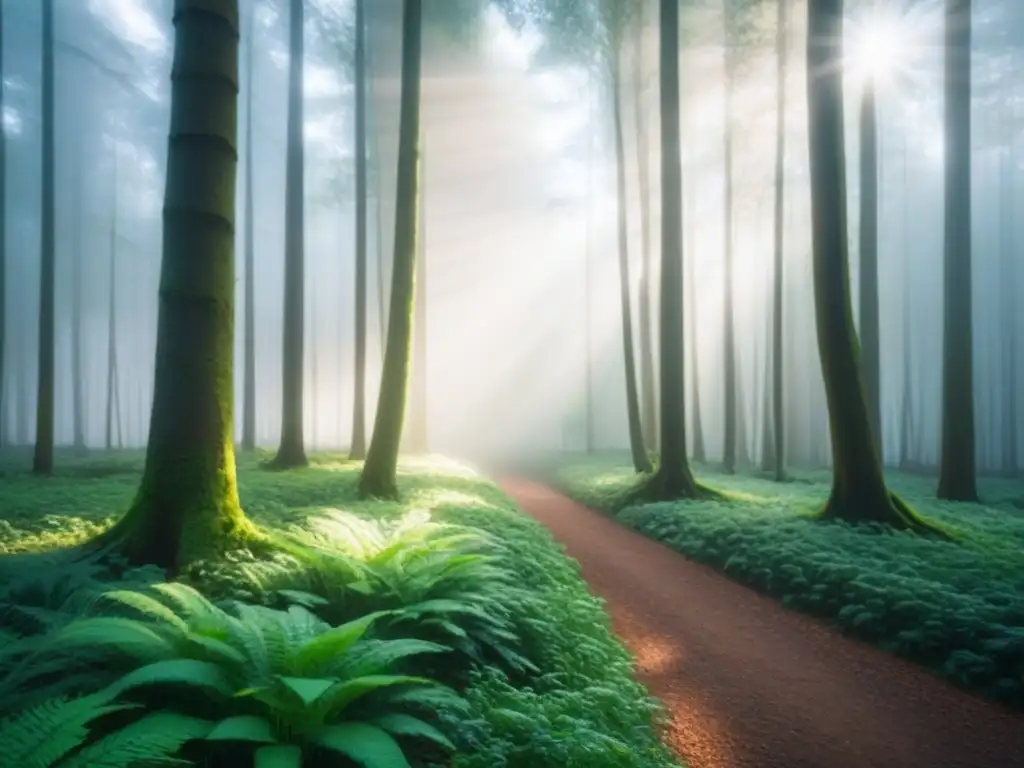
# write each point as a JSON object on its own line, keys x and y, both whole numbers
{"x": 511, "y": 383}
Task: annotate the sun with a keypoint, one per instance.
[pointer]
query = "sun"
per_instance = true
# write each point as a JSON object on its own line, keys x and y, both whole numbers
{"x": 880, "y": 45}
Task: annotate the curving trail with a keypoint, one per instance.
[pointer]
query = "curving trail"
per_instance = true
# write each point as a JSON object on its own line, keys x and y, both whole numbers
{"x": 751, "y": 685}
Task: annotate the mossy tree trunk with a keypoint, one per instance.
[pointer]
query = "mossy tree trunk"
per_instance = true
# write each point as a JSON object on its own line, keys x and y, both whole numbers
{"x": 42, "y": 460}
{"x": 3, "y": 248}
{"x": 357, "y": 448}
{"x": 858, "y": 487}
{"x": 378, "y": 478}
{"x": 648, "y": 403}
{"x": 292, "y": 452}
{"x": 673, "y": 478}
{"x": 187, "y": 504}
{"x": 637, "y": 446}
{"x": 957, "y": 474}
{"x": 249, "y": 374}
{"x": 731, "y": 438}
{"x": 778, "y": 419}
{"x": 869, "y": 332}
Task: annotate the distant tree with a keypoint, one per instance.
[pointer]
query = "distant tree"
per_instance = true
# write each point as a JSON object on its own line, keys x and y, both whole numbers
{"x": 3, "y": 245}
{"x": 732, "y": 437}
{"x": 357, "y": 449}
{"x": 778, "y": 431}
{"x": 1007, "y": 301}
{"x": 418, "y": 399}
{"x": 292, "y": 451}
{"x": 187, "y": 503}
{"x": 868, "y": 294}
{"x": 113, "y": 389}
{"x": 957, "y": 473}
{"x": 249, "y": 374}
{"x": 690, "y": 279}
{"x": 379, "y": 476}
{"x": 42, "y": 461}
{"x": 77, "y": 374}
{"x": 858, "y": 487}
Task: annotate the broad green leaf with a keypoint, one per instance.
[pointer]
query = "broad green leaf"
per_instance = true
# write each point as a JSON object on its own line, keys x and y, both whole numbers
{"x": 308, "y": 689}
{"x": 332, "y": 642}
{"x": 344, "y": 693}
{"x": 364, "y": 744}
{"x": 196, "y": 674}
{"x": 406, "y": 725}
{"x": 150, "y": 741}
{"x": 243, "y": 728}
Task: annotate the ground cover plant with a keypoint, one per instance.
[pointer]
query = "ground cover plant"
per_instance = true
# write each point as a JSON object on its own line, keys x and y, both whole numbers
{"x": 444, "y": 629}
{"x": 956, "y": 607}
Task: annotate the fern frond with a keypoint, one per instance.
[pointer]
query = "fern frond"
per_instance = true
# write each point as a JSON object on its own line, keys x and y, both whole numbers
{"x": 151, "y": 741}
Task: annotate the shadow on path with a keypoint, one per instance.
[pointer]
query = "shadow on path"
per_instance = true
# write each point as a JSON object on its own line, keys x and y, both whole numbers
{"x": 749, "y": 684}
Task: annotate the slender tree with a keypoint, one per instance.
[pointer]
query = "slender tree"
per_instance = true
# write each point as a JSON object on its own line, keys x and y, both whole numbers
{"x": 187, "y": 504}
{"x": 776, "y": 360}
{"x": 249, "y": 374}
{"x": 648, "y": 406}
{"x": 357, "y": 449}
{"x": 858, "y": 487}
{"x": 3, "y": 244}
{"x": 869, "y": 333}
{"x": 42, "y": 461}
{"x": 729, "y": 383}
{"x": 292, "y": 452}
{"x": 588, "y": 280}
{"x": 77, "y": 377}
{"x": 907, "y": 421}
{"x": 673, "y": 478}
{"x": 113, "y": 388}
{"x": 417, "y": 436}
{"x": 1007, "y": 303}
{"x": 378, "y": 478}
{"x": 957, "y": 474}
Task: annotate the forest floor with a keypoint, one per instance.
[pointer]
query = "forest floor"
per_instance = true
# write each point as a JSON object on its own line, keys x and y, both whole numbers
{"x": 751, "y": 685}
{"x": 574, "y": 702}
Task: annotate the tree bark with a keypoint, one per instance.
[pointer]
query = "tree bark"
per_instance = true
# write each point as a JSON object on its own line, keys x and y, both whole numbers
{"x": 1008, "y": 284}
{"x": 187, "y": 504}
{"x": 113, "y": 390}
{"x": 292, "y": 452}
{"x": 957, "y": 474}
{"x": 673, "y": 479}
{"x": 869, "y": 319}
{"x": 777, "y": 358}
{"x": 858, "y": 487}
{"x": 648, "y": 404}
{"x": 907, "y": 395}
{"x": 357, "y": 448}
{"x": 249, "y": 375}
{"x": 42, "y": 460}
{"x": 378, "y": 478}
{"x": 77, "y": 377}
{"x": 588, "y": 286}
{"x": 418, "y": 417}
{"x": 729, "y": 456}
{"x": 3, "y": 251}
{"x": 690, "y": 280}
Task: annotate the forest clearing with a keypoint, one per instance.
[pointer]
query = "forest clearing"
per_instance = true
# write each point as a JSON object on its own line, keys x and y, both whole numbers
{"x": 511, "y": 383}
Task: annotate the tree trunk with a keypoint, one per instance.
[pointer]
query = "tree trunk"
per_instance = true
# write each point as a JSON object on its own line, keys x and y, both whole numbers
{"x": 907, "y": 395}
{"x": 729, "y": 322}
{"x": 77, "y": 378}
{"x": 858, "y": 487}
{"x": 673, "y": 480}
{"x": 1008, "y": 284}
{"x": 690, "y": 260}
{"x": 292, "y": 451}
{"x": 249, "y": 375}
{"x": 777, "y": 358}
{"x": 869, "y": 260}
{"x": 42, "y": 460}
{"x": 637, "y": 447}
{"x": 113, "y": 392}
{"x": 379, "y": 472}
{"x": 187, "y": 505}
{"x": 957, "y": 480}
{"x": 3, "y": 249}
{"x": 769, "y": 462}
{"x": 357, "y": 449}
{"x": 648, "y": 405}
{"x": 418, "y": 420}
{"x": 588, "y": 285}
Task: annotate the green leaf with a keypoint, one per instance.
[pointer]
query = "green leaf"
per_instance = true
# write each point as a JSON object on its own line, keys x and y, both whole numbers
{"x": 151, "y": 741}
{"x": 367, "y": 745}
{"x": 243, "y": 728}
{"x": 332, "y": 643}
{"x": 203, "y": 675}
{"x": 343, "y": 694}
{"x": 278, "y": 756}
{"x": 406, "y": 725}
{"x": 306, "y": 599}
{"x": 308, "y": 689}
{"x": 151, "y": 610}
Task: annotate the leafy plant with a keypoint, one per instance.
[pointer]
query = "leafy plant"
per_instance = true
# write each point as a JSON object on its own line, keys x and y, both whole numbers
{"x": 278, "y": 684}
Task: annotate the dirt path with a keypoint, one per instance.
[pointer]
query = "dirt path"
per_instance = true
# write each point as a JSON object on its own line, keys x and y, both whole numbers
{"x": 750, "y": 685}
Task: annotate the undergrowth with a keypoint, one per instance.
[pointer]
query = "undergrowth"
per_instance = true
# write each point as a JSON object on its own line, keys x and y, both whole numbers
{"x": 955, "y": 607}
{"x": 447, "y": 629}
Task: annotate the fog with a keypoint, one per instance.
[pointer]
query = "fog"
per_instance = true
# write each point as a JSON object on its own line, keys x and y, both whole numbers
{"x": 519, "y": 282}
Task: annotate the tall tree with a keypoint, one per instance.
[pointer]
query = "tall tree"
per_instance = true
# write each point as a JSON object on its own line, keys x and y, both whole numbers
{"x": 292, "y": 452}
{"x": 113, "y": 387}
{"x": 870, "y": 357}
{"x": 418, "y": 395}
{"x": 776, "y": 365}
{"x": 187, "y": 503}
{"x": 690, "y": 265}
{"x": 588, "y": 279}
{"x": 729, "y": 383}
{"x": 858, "y": 487}
{"x": 42, "y": 461}
{"x": 249, "y": 374}
{"x": 357, "y": 449}
{"x": 77, "y": 376}
{"x": 378, "y": 478}
{"x": 648, "y": 406}
{"x": 673, "y": 478}
{"x": 957, "y": 474}
{"x": 3, "y": 243}
{"x": 1007, "y": 300}
{"x": 907, "y": 421}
